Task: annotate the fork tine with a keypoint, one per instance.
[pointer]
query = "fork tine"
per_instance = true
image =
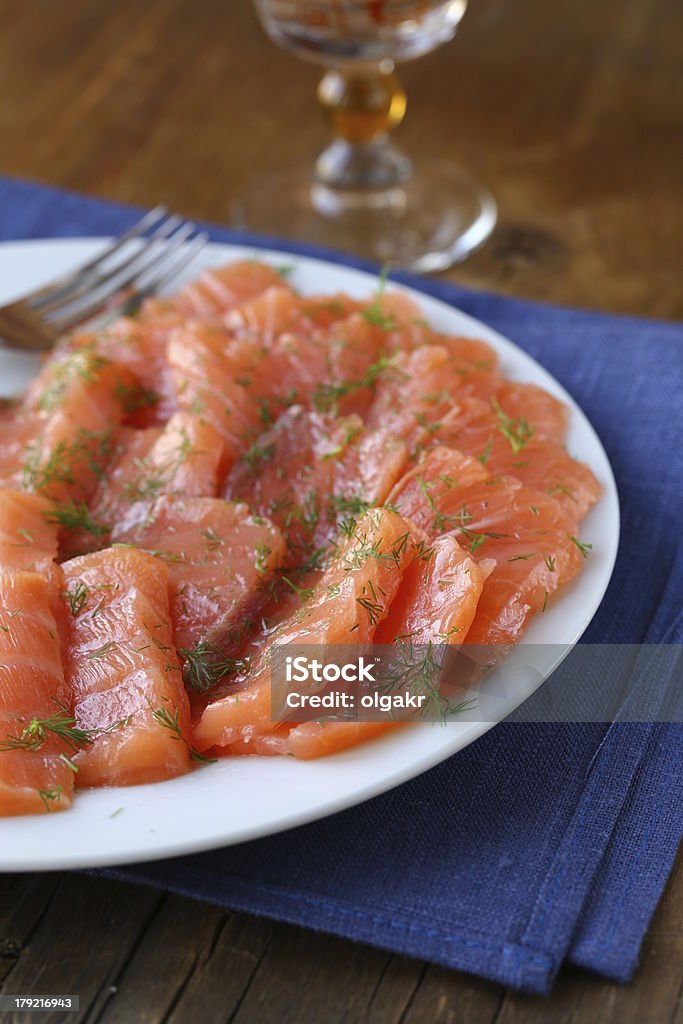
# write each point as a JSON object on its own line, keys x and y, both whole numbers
{"x": 95, "y": 280}
{"x": 159, "y": 282}
{"x": 50, "y": 293}
{"x": 155, "y": 265}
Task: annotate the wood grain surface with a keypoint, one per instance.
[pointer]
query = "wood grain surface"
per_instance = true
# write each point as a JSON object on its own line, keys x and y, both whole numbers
{"x": 573, "y": 112}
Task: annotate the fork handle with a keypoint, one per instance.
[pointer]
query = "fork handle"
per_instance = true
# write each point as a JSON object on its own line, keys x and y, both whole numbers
{"x": 21, "y": 328}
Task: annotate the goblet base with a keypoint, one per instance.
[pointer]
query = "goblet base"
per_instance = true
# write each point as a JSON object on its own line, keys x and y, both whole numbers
{"x": 433, "y": 219}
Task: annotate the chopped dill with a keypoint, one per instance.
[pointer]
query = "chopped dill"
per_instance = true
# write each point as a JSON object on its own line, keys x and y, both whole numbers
{"x": 261, "y": 558}
{"x": 61, "y": 725}
{"x": 77, "y": 598}
{"x": 518, "y": 432}
{"x": 373, "y": 313}
{"x": 213, "y": 540}
{"x": 75, "y": 515}
{"x": 442, "y": 522}
{"x": 103, "y": 651}
{"x": 134, "y": 397}
{"x": 303, "y": 593}
{"x": 257, "y": 454}
{"x": 484, "y": 456}
{"x": 206, "y": 664}
{"x": 83, "y": 364}
{"x": 169, "y": 721}
{"x": 50, "y": 796}
{"x": 583, "y": 547}
{"x": 353, "y": 504}
{"x": 326, "y": 396}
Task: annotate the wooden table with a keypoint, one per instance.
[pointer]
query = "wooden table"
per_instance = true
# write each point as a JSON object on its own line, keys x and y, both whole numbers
{"x": 572, "y": 111}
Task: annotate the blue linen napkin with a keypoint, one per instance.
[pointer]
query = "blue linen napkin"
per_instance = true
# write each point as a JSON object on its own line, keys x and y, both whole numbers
{"x": 540, "y": 843}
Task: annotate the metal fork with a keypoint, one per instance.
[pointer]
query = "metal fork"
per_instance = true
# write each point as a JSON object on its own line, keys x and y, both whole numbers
{"x": 113, "y": 283}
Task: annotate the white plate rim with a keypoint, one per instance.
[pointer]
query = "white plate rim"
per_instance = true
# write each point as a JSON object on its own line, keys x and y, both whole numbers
{"x": 117, "y": 826}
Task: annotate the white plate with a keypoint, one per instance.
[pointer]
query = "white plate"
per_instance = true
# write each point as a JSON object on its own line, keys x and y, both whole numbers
{"x": 242, "y": 798}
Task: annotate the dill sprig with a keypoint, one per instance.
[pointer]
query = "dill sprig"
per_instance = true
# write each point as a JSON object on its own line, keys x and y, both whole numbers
{"x": 77, "y": 597}
{"x": 584, "y": 548}
{"x": 303, "y": 593}
{"x": 156, "y": 478}
{"x": 88, "y": 448}
{"x": 50, "y": 796}
{"x": 75, "y": 515}
{"x": 62, "y": 725}
{"x": 373, "y": 313}
{"x": 170, "y": 720}
{"x": 213, "y": 540}
{"x": 83, "y": 364}
{"x": 351, "y": 504}
{"x": 262, "y": 552}
{"x": 256, "y": 454}
{"x": 206, "y": 664}
{"x": 326, "y": 396}
{"x": 372, "y": 604}
{"x": 456, "y": 521}
{"x": 518, "y": 432}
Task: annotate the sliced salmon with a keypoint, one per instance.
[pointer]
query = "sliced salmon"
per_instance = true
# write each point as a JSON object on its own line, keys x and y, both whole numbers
{"x": 37, "y": 738}
{"x": 421, "y": 389}
{"x": 531, "y": 537}
{"x": 28, "y": 537}
{"x": 435, "y": 604}
{"x": 346, "y": 607}
{"x": 138, "y": 346}
{"x": 218, "y": 290}
{"x": 438, "y": 596}
{"x": 181, "y": 458}
{"x": 312, "y": 470}
{"x": 221, "y": 561}
{"x": 310, "y": 740}
{"x": 215, "y": 378}
{"x": 123, "y": 671}
{"x": 279, "y": 310}
{"x": 75, "y": 404}
{"x": 516, "y": 446}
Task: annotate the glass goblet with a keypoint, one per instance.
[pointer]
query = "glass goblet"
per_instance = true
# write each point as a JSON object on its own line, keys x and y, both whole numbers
{"x": 363, "y": 194}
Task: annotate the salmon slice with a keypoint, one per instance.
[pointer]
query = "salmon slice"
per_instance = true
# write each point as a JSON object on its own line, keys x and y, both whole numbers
{"x": 310, "y": 740}
{"x": 218, "y": 290}
{"x": 36, "y": 728}
{"x": 18, "y": 429}
{"x": 215, "y": 378}
{"x": 180, "y": 459}
{"x": 123, "y": 670}
{"x": 312, "y": 470}
{"x": 531, "y": 537}
{"x": 435, "y": 604}
{"x": 28, "y": 538}
{"x": 438, "y": 597}
{"x": 138, "y": 346}
{"x": 352, "y": 598}
{"x": 221, "y": 561}
{"x": 280, "y": 310}
{"x": 521, "y": 402}
{"x": 75, "y": 403}
{"x": 520, "y": 447}
{"x": 421, "y": 389}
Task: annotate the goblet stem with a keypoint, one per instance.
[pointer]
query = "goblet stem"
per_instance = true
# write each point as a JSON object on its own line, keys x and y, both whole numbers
{"x": 362, "y": 106}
